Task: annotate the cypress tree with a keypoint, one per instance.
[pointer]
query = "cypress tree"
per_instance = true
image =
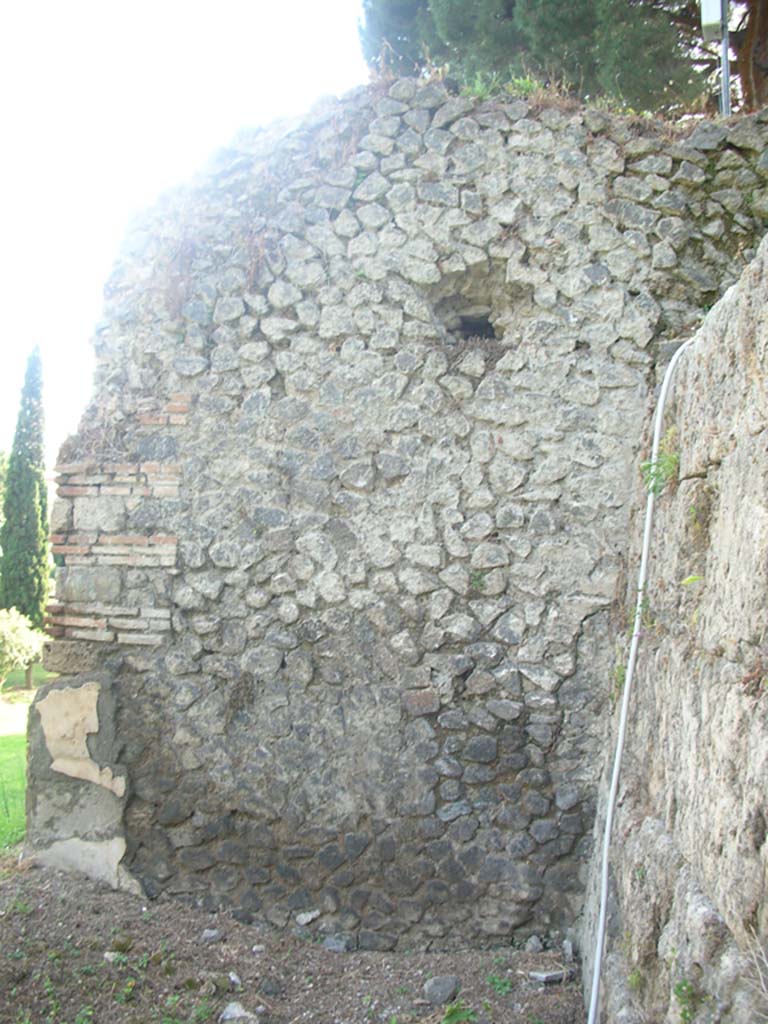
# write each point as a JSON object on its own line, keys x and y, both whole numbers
{"x": 24, "y": 534}
{"x": 3, "y": 473}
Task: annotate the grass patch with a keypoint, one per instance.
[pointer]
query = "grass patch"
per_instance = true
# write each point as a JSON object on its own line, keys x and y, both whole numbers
{"x": 14, "y": 683}
{"x": 13, "y": 757}
{"x": 13, "y": 781}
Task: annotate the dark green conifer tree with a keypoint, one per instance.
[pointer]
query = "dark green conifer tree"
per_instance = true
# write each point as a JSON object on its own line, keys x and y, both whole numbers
{"x": 481, "y": 36}
{"x": 3, "y": 473}
{"x": 559, "y": 40}
{"x": 643, "y": 58}
{"x": 642, "y": 53}
{"x": 24, "y": 566}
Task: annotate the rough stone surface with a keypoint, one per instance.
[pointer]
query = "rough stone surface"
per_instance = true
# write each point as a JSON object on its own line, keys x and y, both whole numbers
{"x": 690, "y": 857}
{"x": 441, "y": 989}
{"x": 236, "y": 1011}
{"x": 79, "y": 800}
{"x": 347, "y": 516}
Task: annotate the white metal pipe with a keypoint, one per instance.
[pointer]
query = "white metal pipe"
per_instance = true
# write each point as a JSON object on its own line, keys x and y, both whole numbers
{"x": 630, "y": 671}
{"x": 725, "y": 64}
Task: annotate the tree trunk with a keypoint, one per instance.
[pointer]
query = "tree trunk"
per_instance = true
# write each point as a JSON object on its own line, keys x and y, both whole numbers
{"x": 751, "y": 45}
{"x": 28, "y": 677}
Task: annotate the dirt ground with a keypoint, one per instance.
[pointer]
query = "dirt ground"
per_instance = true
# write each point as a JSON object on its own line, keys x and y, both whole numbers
{"x": 74, "y": 952}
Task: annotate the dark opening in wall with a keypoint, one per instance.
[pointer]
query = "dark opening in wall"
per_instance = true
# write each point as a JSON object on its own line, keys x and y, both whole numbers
{"x": 475, "y": 327}
{"x": 465, "y": 319}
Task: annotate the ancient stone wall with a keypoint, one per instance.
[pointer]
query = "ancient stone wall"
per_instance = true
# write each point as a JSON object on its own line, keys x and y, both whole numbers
{"x": 343, "y": 527}
{"x": 690, "y": 857}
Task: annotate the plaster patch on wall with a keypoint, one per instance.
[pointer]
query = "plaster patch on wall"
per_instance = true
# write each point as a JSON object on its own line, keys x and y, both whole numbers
{"x": 67, "y": 716}
{"x": 98, "y": 859}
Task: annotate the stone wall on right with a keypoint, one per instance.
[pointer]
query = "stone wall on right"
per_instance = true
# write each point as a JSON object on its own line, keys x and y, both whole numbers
{"x": 688, "y": 914}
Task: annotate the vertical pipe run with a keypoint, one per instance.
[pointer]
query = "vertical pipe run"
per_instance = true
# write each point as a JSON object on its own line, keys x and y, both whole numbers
{"x": 725, "y": 63}
{"x": 630, "y": 671}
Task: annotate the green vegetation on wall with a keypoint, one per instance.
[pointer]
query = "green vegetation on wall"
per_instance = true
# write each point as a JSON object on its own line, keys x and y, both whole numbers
{"x": 646, "y": 54}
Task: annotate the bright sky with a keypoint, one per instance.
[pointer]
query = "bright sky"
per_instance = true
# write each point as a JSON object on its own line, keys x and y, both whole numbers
{"x": 106, "y": 103}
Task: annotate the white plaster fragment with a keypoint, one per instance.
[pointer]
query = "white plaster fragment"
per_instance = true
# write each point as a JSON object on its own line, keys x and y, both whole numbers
{"x": 67, "y": 716}
{"x": 98, "y": 859}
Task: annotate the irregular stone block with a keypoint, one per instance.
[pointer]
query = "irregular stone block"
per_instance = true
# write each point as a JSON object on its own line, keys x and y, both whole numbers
{"x": 441, "y": 989}
{"x": 421, "y": 702}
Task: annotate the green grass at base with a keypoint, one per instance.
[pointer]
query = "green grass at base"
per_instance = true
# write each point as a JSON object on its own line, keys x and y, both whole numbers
{"x": 13, "y": 781}
{"x": 16, "y": 680}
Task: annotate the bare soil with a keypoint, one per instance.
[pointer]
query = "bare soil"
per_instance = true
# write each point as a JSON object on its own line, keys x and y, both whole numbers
{"x": 75, "y": 952}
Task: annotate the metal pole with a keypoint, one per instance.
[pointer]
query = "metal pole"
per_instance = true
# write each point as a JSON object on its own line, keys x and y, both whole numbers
{"x": 725, "y": 65}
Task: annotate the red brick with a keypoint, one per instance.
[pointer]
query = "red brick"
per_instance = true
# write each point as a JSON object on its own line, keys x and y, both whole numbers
{"x": 66, "y": 468}
{"x": 77, "y": 491}
{"x": 80, "y": 621}
{"x": 99, "y": 635}
{"x": 71, "y": 549}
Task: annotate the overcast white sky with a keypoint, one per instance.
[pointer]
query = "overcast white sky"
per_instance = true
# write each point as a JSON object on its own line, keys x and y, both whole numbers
{"x": 106, "y": 103}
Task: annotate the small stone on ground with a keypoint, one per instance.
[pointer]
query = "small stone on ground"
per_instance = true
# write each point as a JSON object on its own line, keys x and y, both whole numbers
{"x": 442, "y": 989}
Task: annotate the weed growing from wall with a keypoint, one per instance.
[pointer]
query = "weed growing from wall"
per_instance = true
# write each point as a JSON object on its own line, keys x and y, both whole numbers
{"x": 687, "y": 1000}
{"x": 658, "y": 472}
